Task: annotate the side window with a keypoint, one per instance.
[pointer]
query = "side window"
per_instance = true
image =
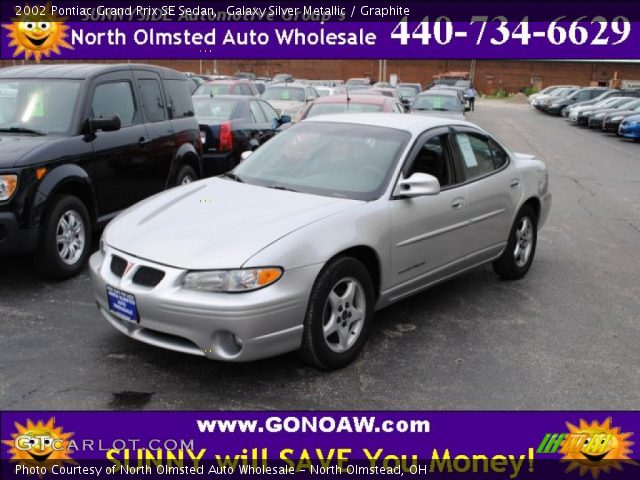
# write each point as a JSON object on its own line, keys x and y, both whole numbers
{"x": 500, "y": 157}
{"x": 152, "y": 102}
{"x": 476, "y": 154}
{"x": 114, "y": 98}
{"x": 179, "y": 98}
{"x": 257, "y": 113}
{"x": 311, "y": 93}
{"x": 434, "y": 159}
{"x": 269, "y": 111}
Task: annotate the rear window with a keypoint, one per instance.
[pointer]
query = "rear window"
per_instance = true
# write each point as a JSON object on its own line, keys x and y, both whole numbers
{"x": 284, "y": 93}
{"x": 328, "y": 108}
{"x": 215, "y": 89}
{"x": 214, "y": 109}
{"x": 179, "y": 98}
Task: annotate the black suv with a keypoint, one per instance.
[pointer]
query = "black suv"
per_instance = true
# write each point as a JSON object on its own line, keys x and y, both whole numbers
{"x": 78, "y": 144}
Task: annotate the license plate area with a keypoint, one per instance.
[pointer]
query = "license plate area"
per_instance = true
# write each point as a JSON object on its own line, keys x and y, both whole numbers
{"x": 123, "y": 305}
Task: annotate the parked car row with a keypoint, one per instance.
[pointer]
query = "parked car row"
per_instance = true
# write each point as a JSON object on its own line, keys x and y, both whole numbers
{"x": 599, "y": 108}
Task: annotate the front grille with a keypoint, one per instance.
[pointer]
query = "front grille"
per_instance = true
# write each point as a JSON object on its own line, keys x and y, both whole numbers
{"x": 148, "y": 277}
{"x": 118, "y": 265}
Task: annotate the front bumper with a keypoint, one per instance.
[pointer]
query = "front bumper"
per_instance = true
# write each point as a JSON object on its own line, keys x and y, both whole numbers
{"x": 610, "y": 126}
{"x": 221, "y": 326}
{"x": 595, "y": 123}
{"x": 16, "y": 240}
{"x": 629, "y": 131}
{"x": 545, "y": 207}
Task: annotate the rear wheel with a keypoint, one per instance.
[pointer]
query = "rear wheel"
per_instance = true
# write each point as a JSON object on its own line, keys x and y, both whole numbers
{"x": 66, "y": 238}
{"x": 339, "y": 314}
{"x": 186, "y": 175}
{"x": 521, "y": 246}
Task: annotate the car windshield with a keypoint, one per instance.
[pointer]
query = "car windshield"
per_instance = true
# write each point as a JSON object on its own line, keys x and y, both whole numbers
{"x": 37, "y": 105}
{"x": 213, "y": 89}
{"x": 332, "y": 159}
{"x": 284, "y": 93}
{"x": 438, "y": 103}
{"x": 327, "y": 108}
{"x": 212, "y": 109}
{"x": 407, "y": 92}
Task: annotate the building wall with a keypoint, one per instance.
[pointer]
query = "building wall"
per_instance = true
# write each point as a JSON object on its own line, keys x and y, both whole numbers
{"x": 490, "y": 76}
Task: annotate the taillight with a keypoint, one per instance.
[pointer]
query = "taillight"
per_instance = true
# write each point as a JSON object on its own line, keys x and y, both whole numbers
{"x": 226, "y": 137}
{"x": 203, "y": 137}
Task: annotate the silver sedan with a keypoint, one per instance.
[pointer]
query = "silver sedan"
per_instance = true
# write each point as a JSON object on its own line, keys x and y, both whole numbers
{"x": 333, "y": 219}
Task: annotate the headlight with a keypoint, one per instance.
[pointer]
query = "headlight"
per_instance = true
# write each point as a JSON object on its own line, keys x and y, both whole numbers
{"x": 103, "y": 245}
{"x": 615, "y": 119}
{"x": 599, "y": 115}
{"x": 8, "y": 185}
{"x": 232, "y": 281}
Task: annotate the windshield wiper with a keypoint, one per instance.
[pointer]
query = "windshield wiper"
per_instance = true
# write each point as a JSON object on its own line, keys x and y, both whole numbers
{"x": 232, "y": 176}
{"x": 22, "y": 130}
{"x": 281, "y": 187}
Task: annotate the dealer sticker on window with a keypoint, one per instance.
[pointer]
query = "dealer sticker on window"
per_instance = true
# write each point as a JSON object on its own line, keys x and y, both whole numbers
{"x": 122, "y": 305}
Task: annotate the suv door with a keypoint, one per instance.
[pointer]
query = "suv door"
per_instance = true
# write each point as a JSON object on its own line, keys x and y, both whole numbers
{"x": 429, "y": 237}
{"x": 493, "y": 189}
{"x": 119, "y": 157}
{"x": 160, "y": 142}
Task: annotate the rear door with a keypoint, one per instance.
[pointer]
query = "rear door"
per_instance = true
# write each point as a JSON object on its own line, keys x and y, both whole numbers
{"x": 118, "y": 168}
{"x": 160, "y": 143}
{"x": 494, "y": 190}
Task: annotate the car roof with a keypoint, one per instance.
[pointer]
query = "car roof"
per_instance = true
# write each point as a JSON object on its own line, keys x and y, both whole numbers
{"x": 227, "y": 81}
{"x": 229, "y": 97}
{"x": 80, "y": 71}
{"x": 414, "y": 124}
{"x": 368, "y": 99}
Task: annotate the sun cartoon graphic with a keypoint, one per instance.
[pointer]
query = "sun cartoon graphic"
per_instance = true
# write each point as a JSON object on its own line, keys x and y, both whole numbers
{"x": 39, "y": 444}
{"x": 596, "y": 447}
{"x": 37, "y": 34}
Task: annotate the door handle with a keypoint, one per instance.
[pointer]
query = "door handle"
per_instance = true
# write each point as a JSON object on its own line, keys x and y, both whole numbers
{"x": 457, "y": 204}
{"x": 514, "y": 183}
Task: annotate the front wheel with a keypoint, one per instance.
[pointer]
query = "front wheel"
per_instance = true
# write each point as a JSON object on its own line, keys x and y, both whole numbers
{"x": 339, "y": 314}
{"x": 515, "y": 261}
{"x": 66, "y": 238}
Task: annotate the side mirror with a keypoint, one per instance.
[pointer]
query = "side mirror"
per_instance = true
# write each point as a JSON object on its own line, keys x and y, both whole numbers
{"x": 108, "y": 124}
{"x": 417, "y": 185}
{"x": 245, "y": 155}
{"x": 285, "y": 119}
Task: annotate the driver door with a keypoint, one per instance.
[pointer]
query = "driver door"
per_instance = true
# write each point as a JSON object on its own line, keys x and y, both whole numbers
{"x": 429, "y": 234}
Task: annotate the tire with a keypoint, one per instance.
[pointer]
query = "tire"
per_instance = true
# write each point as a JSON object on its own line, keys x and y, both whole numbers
{"x": 521, "y": 246}
{"x": 352, "y": 323}
{"x": 186, "y": 175}
{"x": 67, "y": 216}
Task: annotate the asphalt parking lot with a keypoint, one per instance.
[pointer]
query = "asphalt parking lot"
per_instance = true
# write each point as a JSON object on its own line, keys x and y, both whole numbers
{"x": 564, "y": 337}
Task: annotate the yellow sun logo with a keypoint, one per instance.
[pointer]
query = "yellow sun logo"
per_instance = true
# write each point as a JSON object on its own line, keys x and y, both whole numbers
{"x": 39, "y": 444}
{"x": 37, "y": 34}
{"x": 596, "y": 447}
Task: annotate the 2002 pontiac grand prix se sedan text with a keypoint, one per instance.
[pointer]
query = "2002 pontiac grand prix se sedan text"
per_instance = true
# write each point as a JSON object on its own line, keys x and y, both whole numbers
{"x": 331, "y": 220}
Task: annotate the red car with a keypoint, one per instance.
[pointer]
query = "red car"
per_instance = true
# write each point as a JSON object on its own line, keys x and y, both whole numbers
{"x": 350, "y": 104}
{"x": 228, "y": 87}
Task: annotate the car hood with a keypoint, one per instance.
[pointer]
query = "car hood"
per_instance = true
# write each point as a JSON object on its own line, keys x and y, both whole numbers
{"x": 622, "y": 113}
{"x": 215, "y": 223}
{"x": 435, "y": 113}
{"x": 14, "y": 146}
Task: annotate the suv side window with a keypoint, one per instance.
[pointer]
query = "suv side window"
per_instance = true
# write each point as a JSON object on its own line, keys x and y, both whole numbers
{"x": 269, "y": 111}
{"x": 152, "y": 102}
{"x": 434, "y": 158}
{"x": 477, "y": 159}
{"x": 311, "y": 93}
{"x": 257, "y": 113}
{"x": 114, "y": 98}
{"x": 179, "y": 98}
